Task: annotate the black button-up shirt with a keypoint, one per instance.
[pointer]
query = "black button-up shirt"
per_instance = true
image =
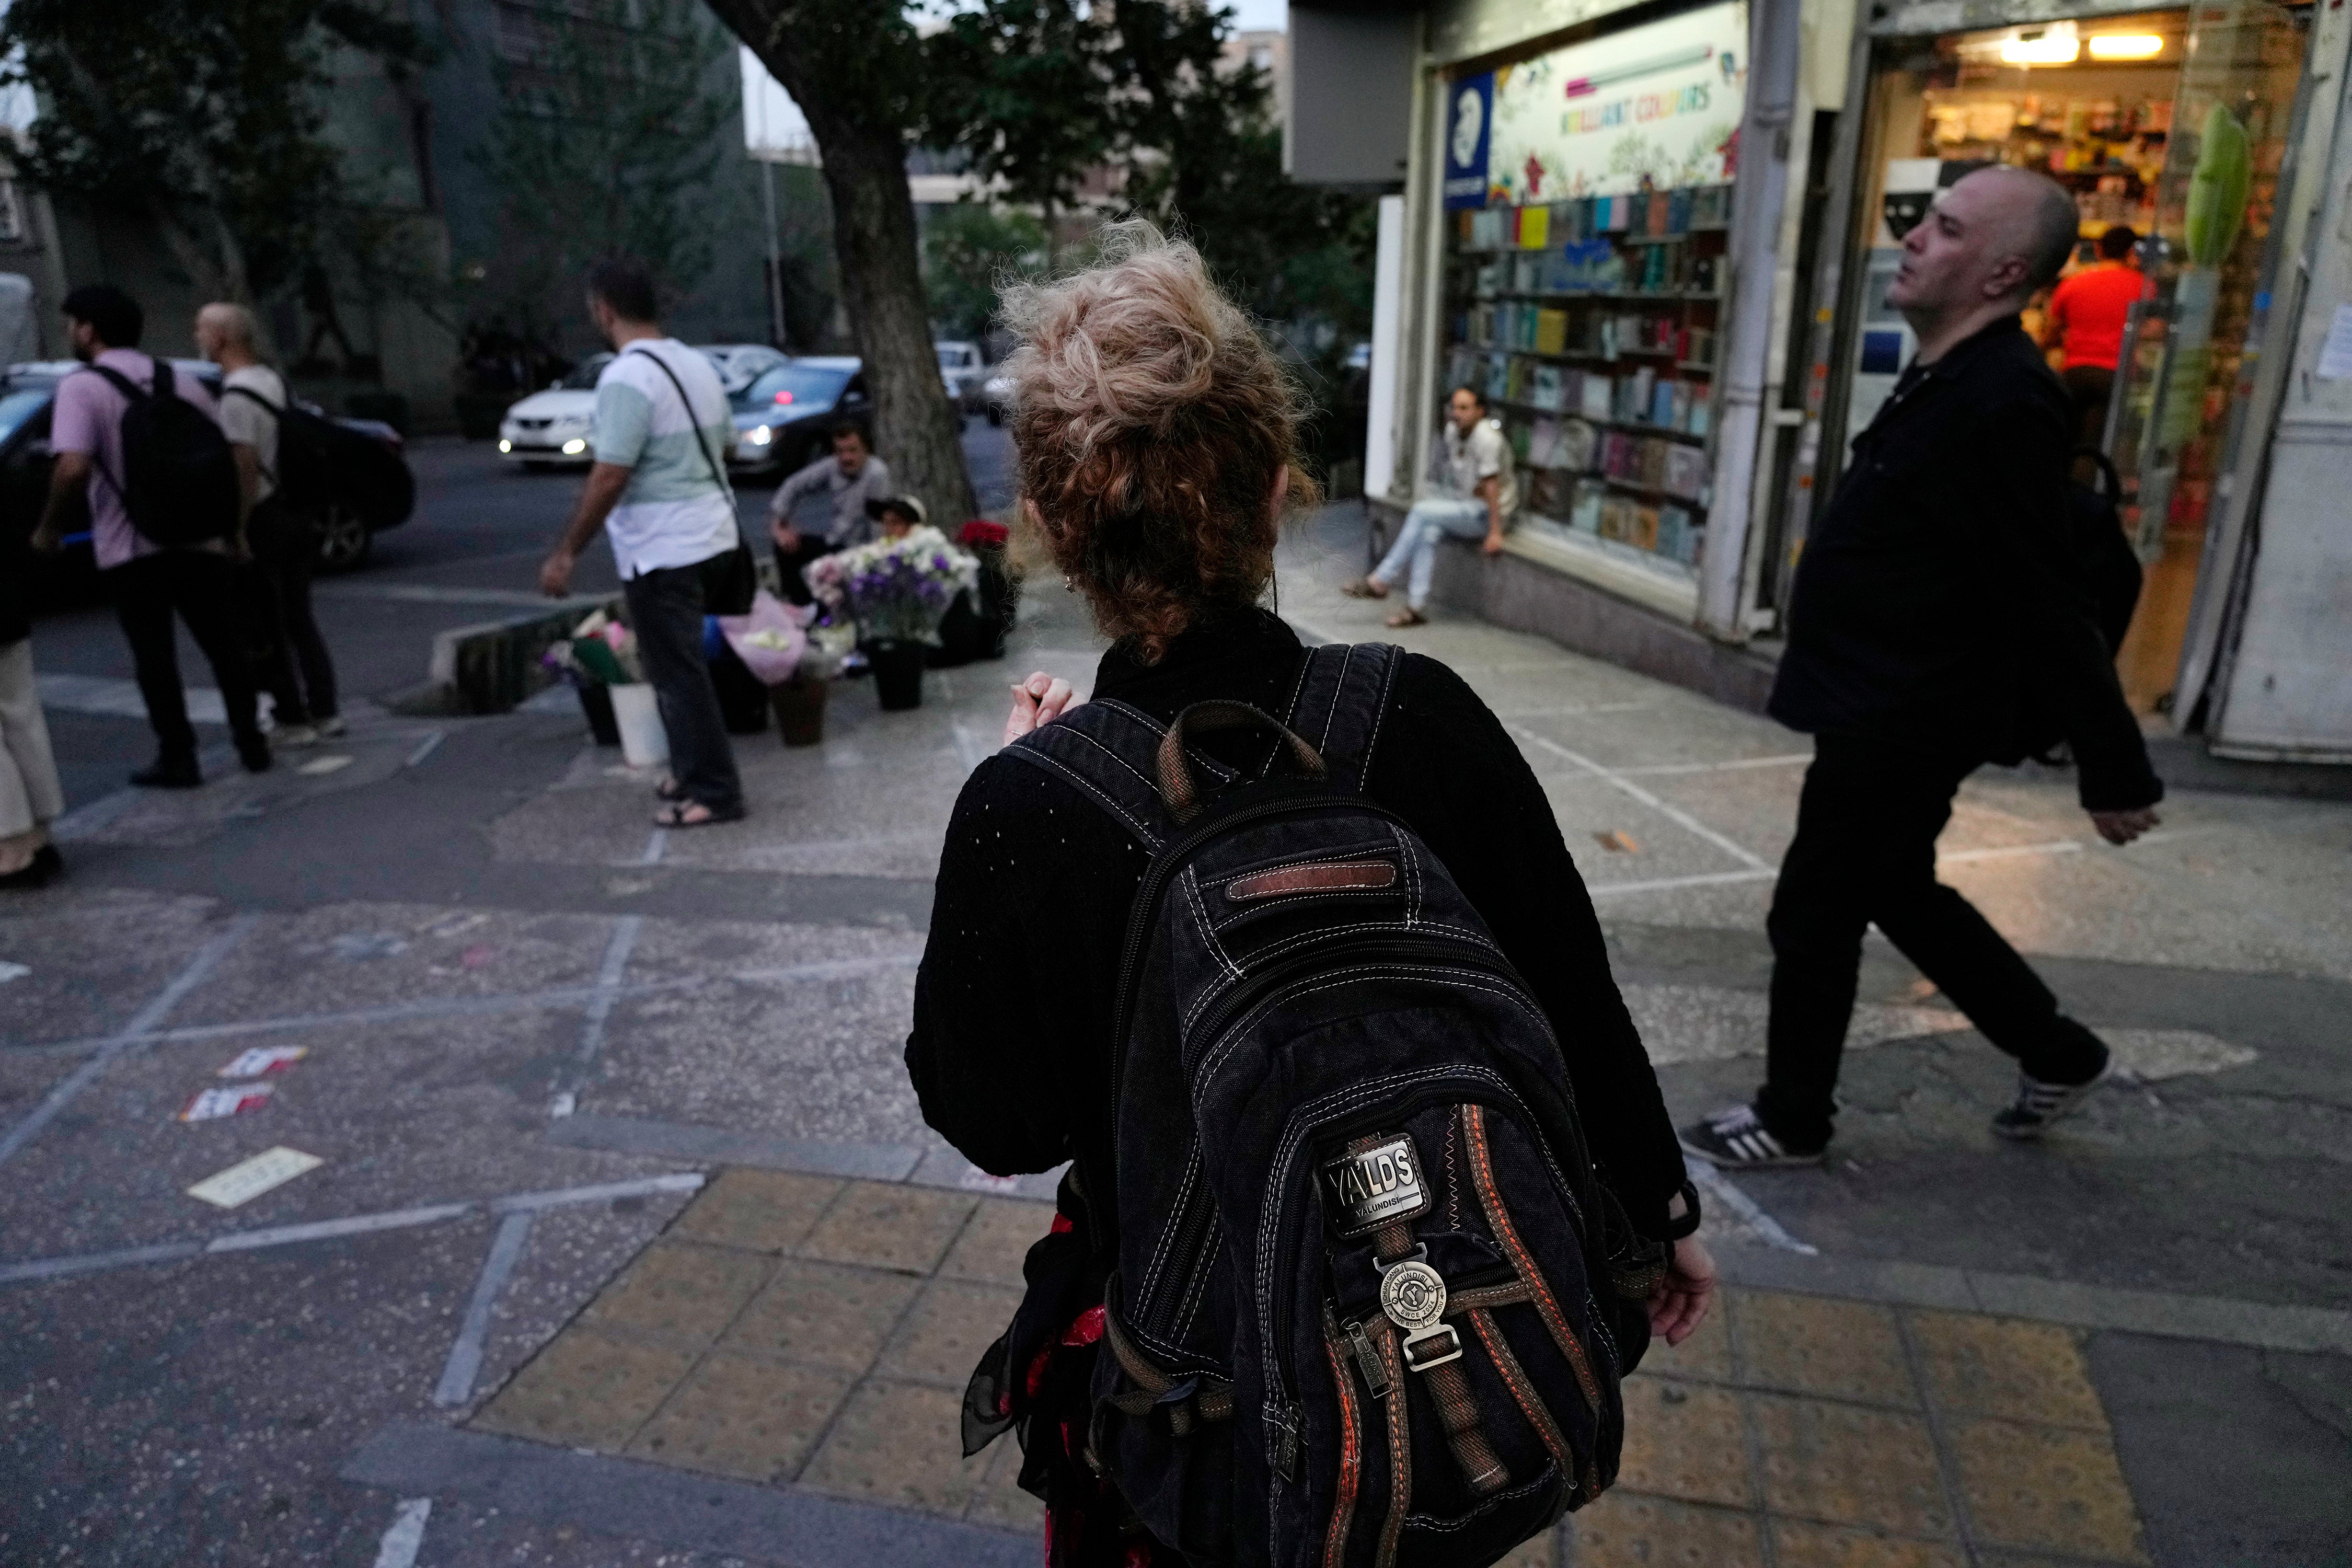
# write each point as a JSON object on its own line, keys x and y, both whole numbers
{"x": 1939, "y": 604}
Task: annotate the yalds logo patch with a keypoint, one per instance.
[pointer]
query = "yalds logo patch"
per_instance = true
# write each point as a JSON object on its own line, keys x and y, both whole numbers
{"x": 1377, "y": 1181}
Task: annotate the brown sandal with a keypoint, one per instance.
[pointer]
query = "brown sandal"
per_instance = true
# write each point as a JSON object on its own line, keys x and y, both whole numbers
{"x": 1364, "y": 588}
{"x": 1408, "y": 616}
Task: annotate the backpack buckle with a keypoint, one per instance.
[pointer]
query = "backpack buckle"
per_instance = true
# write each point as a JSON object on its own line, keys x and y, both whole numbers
{"x": 1442, "y": 1344}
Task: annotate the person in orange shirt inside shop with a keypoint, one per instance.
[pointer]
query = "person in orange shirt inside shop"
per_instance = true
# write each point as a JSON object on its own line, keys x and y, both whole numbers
{"x": 2085, "y": 319}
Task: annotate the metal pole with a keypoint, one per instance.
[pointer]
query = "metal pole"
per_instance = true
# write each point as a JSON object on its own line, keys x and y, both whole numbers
{"x": 776, "y": 256}
{"x": 1761, "y": 192}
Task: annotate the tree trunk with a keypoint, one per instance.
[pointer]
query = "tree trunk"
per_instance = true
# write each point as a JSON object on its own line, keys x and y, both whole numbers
{"x": 916, "y": 431}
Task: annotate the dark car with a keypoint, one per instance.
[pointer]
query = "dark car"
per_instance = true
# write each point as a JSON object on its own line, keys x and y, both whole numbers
{"x": 784, "y": 416}
{"x": 367, "y": 497}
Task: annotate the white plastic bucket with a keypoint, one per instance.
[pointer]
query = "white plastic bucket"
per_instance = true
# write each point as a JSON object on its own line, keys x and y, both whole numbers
{"x": 643, "y": 742}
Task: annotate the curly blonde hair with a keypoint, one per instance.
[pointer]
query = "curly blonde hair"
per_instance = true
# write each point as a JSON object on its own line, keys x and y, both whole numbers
{"x": 1150, "y": 421}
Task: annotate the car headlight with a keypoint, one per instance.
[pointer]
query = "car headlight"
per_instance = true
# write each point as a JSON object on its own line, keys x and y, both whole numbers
{"x": 760, "y": 436}
{"x": 574, "y": 447}
{"x": 505, "y": 444}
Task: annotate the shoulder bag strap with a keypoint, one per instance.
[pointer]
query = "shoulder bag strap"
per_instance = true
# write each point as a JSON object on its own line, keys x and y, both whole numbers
{"x": 1110, "y": 752}
{"x": 277, "y": 414}
{"x": 130, "y": 390}
{"x": 1343, "y": 694}
{"x": 692, "y": 423}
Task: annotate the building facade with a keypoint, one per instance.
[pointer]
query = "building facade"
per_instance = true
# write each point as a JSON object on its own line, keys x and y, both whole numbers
{"x": 1658, "y": 238}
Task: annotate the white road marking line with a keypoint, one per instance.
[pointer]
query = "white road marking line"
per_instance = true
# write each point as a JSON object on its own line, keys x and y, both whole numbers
{"x": 600, "y": 1008}
{"x": 1741, "y": 765}
{"x": 1659, "y": 884}
{"x": 399, "y": 1544}
{"x": 833, "y": 968}
{"x": 2010, "y": 852}
{"x": 132, "y": 1035}
{"x": 117, "y": 697}
{"x": 656, "y": 845}
{"x": 1617, "y": 780}
{"x": 465, "y": 1363}
{"x": 351, "y": 1224}
{"x": 1719, "y": 1188}
{"x": 1574, "y": 711}
{"x": 425, "y": 748}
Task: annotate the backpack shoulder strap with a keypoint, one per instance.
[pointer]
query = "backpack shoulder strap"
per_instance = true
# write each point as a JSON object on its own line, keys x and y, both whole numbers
{"x": 121, "y": 382}
{"x": 1110, "y": 753}
{"x": 1343, "y": 694}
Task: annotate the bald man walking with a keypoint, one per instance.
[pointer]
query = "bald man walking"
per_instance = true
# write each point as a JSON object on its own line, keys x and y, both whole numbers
{"x": 1939, "y": 622}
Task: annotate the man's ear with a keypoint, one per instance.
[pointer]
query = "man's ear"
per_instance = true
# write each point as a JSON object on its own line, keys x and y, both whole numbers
{"x": 2006, "y": 280}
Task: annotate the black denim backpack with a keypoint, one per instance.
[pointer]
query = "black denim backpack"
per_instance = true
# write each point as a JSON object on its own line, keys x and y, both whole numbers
{"x": 1354, "y": 1316}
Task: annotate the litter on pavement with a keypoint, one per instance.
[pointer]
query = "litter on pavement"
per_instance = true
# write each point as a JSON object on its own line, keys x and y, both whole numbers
{"x": 13, "y": 970}
{"x": 212, "y": 1104}
{"x": 324, "y": 766}
{"x": 248, "y": 1179}
{"x": 263, "y": 1059}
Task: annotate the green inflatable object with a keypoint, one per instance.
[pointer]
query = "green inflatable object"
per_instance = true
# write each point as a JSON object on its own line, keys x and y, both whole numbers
{"x": 2217, "y": 188}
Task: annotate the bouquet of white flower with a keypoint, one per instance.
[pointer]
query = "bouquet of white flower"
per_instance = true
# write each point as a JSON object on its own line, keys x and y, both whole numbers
{"x": 898, "y": 589}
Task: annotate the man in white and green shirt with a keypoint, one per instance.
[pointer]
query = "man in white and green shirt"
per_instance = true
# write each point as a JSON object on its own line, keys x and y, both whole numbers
{"x": 659, "y": 491}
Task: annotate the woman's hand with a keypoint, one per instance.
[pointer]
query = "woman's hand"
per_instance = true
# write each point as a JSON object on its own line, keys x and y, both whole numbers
{"x": 1679, "y": 1303}
{"x": 1040, "y": 699}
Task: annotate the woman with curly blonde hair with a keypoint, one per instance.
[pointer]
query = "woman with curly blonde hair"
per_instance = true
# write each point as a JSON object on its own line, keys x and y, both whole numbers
{"x": 1158, "y": 446}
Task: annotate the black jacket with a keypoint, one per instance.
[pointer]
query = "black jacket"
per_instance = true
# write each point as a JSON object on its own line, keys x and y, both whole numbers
{"x": 1013, "y": 1006}
{"x": 1937, "y": 603}
{"x": 16, "y": 579}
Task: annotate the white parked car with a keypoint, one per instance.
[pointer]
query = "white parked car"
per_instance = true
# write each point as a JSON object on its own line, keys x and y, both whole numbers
{"x": 996, "y": 397}
{"x": 557, "y": 428}
{"x": 962, "y": 370}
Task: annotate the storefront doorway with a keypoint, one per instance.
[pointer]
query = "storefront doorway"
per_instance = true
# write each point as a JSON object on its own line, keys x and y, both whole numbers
{"x": 2169, "y": 122}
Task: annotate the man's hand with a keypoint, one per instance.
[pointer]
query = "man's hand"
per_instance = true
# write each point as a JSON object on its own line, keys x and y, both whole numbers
{"x": 46, "y": 539}
{"x": 1040, "y": 699}
{"x": 555, "y": 573}
{"x": 1494, "y": 545}
{"x": 786, "y": 536}
{"x": 2123, "y": 826}
{"x": 1679, "y": 1303}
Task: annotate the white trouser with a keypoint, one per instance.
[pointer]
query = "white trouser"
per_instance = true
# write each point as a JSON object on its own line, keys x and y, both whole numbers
{"x": 1416, "y": 541}
{"x": 29, "y": 792}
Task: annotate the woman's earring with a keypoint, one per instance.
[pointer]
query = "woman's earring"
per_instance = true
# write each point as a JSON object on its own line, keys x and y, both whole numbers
{"x": 1068, "y": 586}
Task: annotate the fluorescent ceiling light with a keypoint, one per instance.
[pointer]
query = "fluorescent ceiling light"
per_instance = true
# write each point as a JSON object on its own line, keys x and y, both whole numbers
{"x": 2126, "y": 46}
{"x": 2050, "y": 50}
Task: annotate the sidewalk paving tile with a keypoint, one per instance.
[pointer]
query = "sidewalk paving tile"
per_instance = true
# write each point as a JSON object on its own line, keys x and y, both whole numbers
{"x": 757, "y": 1211}
{"x": 993, "y": 1246}
{"x": 1623, "y": 1530}
{"x": 888, "y": 1227}
{"x": 739, "y": 1416}
{"x": 900, "y": 1443}
{"x": 2044, "y": 1489}
{"x": 586, "y": 1391}
{"x": 823, "y": 1314}
{"x": 1999, "y": 1366}
{"x": 681, "y": 1292}
{"x": 1676, "y": 1436}
{"x": 1800, "y": 1429}
{"x": 1844, "y": 1349}
{"x": 1797, "y": 1544}
{"x": 1849, "y": 1465}
{"x": 944, "y": 1336}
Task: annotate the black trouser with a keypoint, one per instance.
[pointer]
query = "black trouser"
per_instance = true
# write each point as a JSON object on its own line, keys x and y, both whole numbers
{"x": 202, "y": 587}
{"x": 299, "y": 674}
{"x": 794, "y": 587}
{"x": 2090, "y": 385}
{"x": 666, "y": 612}
{"x": 1866, "y": 852}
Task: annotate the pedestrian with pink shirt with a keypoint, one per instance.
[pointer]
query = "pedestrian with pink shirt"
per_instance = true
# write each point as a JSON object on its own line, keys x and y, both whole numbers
{"x": 151, "y": 581}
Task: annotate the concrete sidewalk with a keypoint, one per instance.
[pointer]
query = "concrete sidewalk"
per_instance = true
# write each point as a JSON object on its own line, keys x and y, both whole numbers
{"x": 2127, "y": 1344}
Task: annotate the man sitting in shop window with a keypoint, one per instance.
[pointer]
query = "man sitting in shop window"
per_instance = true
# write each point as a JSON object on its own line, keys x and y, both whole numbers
{"x": 2086, "y": 317}
{"x": 1938, "y": 623}
{"x": 1479, "y": 498}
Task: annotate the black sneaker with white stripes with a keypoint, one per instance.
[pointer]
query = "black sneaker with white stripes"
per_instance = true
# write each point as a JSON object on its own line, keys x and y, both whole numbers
{"x": 2038, "y": 1104}
{"x": 1736, "y": 1139}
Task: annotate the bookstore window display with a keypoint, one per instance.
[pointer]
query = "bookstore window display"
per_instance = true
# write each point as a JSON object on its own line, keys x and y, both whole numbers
{"x": 1585, "y": 272}
{"x": 2170, "y": 122}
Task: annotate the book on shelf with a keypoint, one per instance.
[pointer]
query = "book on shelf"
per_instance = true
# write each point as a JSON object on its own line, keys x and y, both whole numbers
{"x": 1544, "y": 390}
{"x": 1499, "y": 377}
{"x": 1584, "y": 507}
{"x": 1653, "y": 215}
{"x": 1642, "y": 530}
{"x": 1687, "y": 471}
{"x": 1551, "y": 332}
{"x": 1577, "y": 441}
{"x": 1518, "y": 434}
{"x": 1596, "y": 397}
{"x": 1534, "y": 227}
{"x": 1662, "y": 402}
{"x": 1710, "y": 207}
{"x": 1543, "y": 444}
{"x": 1616, "y": 519}
{"x": 1548, "y": 491}
{"x": 1678, "y": 210}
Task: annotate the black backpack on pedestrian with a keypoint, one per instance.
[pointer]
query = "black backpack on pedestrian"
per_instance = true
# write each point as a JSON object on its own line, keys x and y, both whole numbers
{"x": 179, "y": 480}
{"x": 2109, "y": 568}
{"x": 1356, "y": 1317}
{"x": 308, "y": 445}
